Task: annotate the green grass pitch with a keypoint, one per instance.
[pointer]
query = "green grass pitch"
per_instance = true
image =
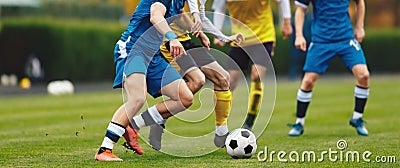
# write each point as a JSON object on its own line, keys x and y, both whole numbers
{"x": 66, "y": 131}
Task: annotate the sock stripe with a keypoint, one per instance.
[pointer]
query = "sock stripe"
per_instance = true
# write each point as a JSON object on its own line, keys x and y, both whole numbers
{"x": 303, "y": 96}
{"x": 117, "y": 129}
{"x": 118, "y": 124}
{"x": 360, "y": 92}
{"x": 220, "y": 90}
{"x": 112, "y": 136}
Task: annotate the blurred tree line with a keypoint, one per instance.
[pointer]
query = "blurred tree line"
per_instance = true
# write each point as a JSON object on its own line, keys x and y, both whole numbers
{"x": 379, "y": 13}
{"x": 82, "y": 34}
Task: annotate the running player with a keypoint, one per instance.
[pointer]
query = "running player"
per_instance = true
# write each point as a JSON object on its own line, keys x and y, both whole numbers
{"x": 140, "y": 67}
{"x": 332, "y": 34}
{"x": 192, "y": 67}
{"x": 256, "y": 15}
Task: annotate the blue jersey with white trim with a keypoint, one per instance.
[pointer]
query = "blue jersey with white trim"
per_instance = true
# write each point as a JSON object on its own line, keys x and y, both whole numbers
{"x": 331, "y": 20}
{"x": 140, "y": 21}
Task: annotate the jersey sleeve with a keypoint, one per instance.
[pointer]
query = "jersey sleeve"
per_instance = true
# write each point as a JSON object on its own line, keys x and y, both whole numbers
{"x": 285, "y": 8}
{"x": 193, "y": 6}
{"x": 302, "y": 3}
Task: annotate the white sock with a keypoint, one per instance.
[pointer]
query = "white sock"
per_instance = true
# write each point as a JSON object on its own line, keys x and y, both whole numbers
{"x": 221, "y": 130}
{"x": 149, "y": 117}
{"x": 107, "y": 143}
{"x": 114, "y": 132}
{"x": 139, "y": 121}
{"x": 357, "y": 115}
{"x": 300, "y": 120}
{"x": 155, "y": 115}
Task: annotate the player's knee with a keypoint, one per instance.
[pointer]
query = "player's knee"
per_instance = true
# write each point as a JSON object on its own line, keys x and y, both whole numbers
{"x": 363, "y": 76}
{"x": 137, "y": 101}
{"x": 199, "y": 82}
{"x": 255, "y": 76}
{"x": 186, "y": 98}
{"x": 223, "y": 80}
{"x": 308, "y": 83}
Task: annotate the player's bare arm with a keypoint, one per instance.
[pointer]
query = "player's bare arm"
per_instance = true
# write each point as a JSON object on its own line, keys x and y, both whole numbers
{"x": 219, "y": 18}
{"x": 285, "y": 12}
{"x": 157, "y": 13}
{"x": 197, "y": 25}
{"x": 359, "y": 32}
{"x": 300, "y": 41}
{"x": 204, "y": 40}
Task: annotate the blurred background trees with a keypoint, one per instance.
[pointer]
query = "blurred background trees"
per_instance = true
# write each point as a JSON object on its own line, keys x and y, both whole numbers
{"x": 75, "y": 39}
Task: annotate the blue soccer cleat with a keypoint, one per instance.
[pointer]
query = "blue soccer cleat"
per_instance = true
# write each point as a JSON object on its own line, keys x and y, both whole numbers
{"x": 297, "y": 129}
{"x": 359, "y": 125}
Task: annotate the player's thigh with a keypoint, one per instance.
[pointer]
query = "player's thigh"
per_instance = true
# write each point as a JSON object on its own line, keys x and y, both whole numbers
{"x": 239, "y": 60}
{"x": 201, "y": 55}
{"x": 135, "y": 89}
{"x": 160, "y": 74}
{"x": 215, "y": 70}
{"x": 260, "y": 54}
{"x": 318, "y": 57}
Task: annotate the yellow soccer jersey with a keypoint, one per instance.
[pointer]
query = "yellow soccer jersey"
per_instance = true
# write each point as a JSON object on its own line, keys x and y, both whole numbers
{"x": 256, "y": 15}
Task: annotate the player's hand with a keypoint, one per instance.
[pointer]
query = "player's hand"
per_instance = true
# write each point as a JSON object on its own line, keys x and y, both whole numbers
{"x": 359, "y": 34}
{"x": 204, "y": 40}
{"x": 237, "y": 38}
{"x": 197, "y": 26}
{"x": 286, "y": 29}
{"x": 219, "y": 42}
{"x": 300, "y": 43}
{"x": 176, "y": 49}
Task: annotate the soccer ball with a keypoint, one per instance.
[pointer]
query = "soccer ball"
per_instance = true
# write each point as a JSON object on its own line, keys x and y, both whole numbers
{"x": 241, "y": 143}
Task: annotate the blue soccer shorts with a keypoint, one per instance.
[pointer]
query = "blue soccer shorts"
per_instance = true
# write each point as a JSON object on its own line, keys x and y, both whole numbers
{"x": 319, "y": 55}
{"x": 158, "y": 71}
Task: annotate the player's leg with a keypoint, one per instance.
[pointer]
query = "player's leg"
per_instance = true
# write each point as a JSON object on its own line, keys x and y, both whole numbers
{"x": 194, "y": 78}
{"x": 353, "y": 57}
{"x": 361, "y": 93}
{"x": 304, "y": 95}
{"x": 135, "y": 87}
{"x": 260, "y": 56}
{"x": 255, "y": 95}
{"x": 236, "y": 68}
{"x": 317, "y": 62}
{"x": 163, "y": 80}
{"x": 215, "y": 73}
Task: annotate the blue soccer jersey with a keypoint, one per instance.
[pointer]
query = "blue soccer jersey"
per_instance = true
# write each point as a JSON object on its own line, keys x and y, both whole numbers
{"x": 331, "y": 20}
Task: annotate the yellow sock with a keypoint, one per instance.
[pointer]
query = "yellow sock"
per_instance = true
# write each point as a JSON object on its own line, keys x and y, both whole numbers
{"x": 222, "y": 106}
{"x": 255, "y": 97}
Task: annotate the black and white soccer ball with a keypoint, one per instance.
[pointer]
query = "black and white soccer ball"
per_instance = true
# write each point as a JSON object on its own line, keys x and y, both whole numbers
{"x": 241, "y": 143}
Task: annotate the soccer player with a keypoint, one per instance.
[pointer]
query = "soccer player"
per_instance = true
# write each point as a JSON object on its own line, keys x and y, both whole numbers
{"x": 256, "y": 15}
{"x": 195, "y": 67}
{"x": 332, "y": 34}
{"x": 140, "y": 68}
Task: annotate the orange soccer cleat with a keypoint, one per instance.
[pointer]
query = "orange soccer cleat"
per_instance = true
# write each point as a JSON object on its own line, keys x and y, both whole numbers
{"x": 131, "y": 137}
{"x": 107, "y": 155}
